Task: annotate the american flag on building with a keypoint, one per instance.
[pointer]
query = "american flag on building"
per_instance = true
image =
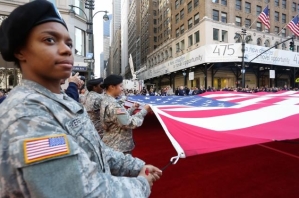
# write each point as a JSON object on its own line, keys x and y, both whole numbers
{"x": 264, "y": 17}
{"x": 294, "y": 25}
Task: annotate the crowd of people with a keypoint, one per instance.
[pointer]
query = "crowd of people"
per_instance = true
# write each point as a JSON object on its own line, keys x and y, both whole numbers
{"x": 185, "y": 91}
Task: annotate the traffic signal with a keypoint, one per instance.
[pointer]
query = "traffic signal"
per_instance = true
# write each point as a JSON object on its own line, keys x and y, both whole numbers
{"x": 292, "y": 45}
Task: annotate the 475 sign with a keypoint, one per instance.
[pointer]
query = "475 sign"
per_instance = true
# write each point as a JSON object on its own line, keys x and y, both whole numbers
{"x": 223, "y": 52}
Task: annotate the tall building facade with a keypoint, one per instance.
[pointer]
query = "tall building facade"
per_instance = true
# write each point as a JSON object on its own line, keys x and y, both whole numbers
{"x": 10, "y": 76}
{"x": 134, "y": 35}
{"x": 114, "y": 63}
{"x": 124, "y": 36}
{"x": 149, "y": 27}
{"x": 106, "y": 43}
{"x": 197, "y": 26}
{"x": 116, "y": 22}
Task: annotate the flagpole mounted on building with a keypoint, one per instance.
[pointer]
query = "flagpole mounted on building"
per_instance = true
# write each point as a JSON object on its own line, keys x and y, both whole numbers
{"x": 292, "y": 25}
{"x": 264, "y": 17}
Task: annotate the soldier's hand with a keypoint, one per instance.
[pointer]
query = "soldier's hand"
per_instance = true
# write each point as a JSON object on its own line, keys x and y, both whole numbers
{"x": 136, "y": 105}
{"x": 151, "y": 173}
{"x": 147, "y": 108}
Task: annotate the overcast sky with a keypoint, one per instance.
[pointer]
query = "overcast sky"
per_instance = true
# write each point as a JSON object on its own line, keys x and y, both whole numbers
{"x": 98, "y": 30}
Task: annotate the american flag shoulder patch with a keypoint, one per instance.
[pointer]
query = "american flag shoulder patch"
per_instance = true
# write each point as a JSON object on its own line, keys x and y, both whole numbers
{"x": 120, "y": 111}
{"x": 37, "y": 149}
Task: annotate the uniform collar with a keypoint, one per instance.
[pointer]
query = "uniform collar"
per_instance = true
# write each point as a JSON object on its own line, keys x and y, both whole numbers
{"x": 68, "y": 102}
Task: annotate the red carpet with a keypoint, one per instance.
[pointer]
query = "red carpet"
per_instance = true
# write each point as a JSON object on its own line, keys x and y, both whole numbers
{"x": 253, "y": 171}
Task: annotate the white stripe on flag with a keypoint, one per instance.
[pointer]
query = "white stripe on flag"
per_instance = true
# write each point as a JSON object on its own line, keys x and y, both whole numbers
{"x": 239, "y": 120}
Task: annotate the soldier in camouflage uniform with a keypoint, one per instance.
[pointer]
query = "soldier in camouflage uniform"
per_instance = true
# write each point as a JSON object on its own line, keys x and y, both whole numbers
{"x": 117, "y": 121}
{"x": 48, "y": 145}
{"x": 92, "y": 102}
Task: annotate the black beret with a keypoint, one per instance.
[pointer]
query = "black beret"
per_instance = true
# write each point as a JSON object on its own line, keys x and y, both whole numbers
{"x": 112, "y": 80}
{"x": 94, "y": 82}
{"x": 15, "y": 29}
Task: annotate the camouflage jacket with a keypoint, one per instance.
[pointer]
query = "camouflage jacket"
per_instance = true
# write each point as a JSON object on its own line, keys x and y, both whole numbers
{"x": 118, "y": 122}
{"x": 92, "y": 104}
{"x": 50, "y": 148}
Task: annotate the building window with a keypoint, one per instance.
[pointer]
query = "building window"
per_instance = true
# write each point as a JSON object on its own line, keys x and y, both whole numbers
{"x": 79, "y": 42}
{"x": 182, "y": 14}
{"x": 224, "y": 2}
{"x": 189, "y": 6}
{"x": 155, "y": 21}
{"x": 215, "y": 1}
{"x": 258, "y": 10}
{"x": 283, "y": 18}
{"x": 276, "y": 45}
{"x": 267, "y": 43}
{"x": 294, "y": 7}
{"x": 181, "y": 2}
{"x": 215, "y": 15}
{"x": 215, "y": 34}
{"x": 190, "y": 40}
{"x": 80, "y": 4}
{"x": 247, "y": 7}
{"x": 283, "y": 32}
{"x": 177, "y": 4}
{"x": 177, "y": 18}
{"x": 196, "y": 19}
{"x": 177, "y": 47}
{"x": 155, "y": 30}
{"x": 238, "y": 5}
{"x": 196, "y": 2}
{"x": 238, "y": 21}
{"x": 190, "y": 23}
{"x": 224, "y": 36}
{"x": 182, "y": 29}
{"x": 177, "y": 32}
{"x": 259, "y": 42}
{"x": 247, "y": 23}
{"x": 283, "y": 46}
{"x": 276, "y": 16}
{"x": 284, "y": 4}
{"x": 276, "y": 30}
{"x": 276, "y": 2}
{"x": 196, "y": 37}
{"x": 182, "y": 44}
{"x": 258, "y": 26}
{"x": 223, "y": 17}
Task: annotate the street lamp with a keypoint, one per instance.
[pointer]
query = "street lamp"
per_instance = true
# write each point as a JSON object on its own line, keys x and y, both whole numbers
{"x": 242, "y": 35}
{"x": 89, "y": 4}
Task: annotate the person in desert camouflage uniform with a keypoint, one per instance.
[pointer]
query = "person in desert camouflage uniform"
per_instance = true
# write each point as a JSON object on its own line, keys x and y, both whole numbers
{"x": 117, "y": 121}
{"x": 48, "y": 145}
{"x": 92, "y": 102}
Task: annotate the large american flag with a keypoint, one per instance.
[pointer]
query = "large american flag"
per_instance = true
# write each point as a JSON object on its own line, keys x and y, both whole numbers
{"x": 216, "y": 121}
{"x": 264, "y": 17}
{"x": 294, "y": 25}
